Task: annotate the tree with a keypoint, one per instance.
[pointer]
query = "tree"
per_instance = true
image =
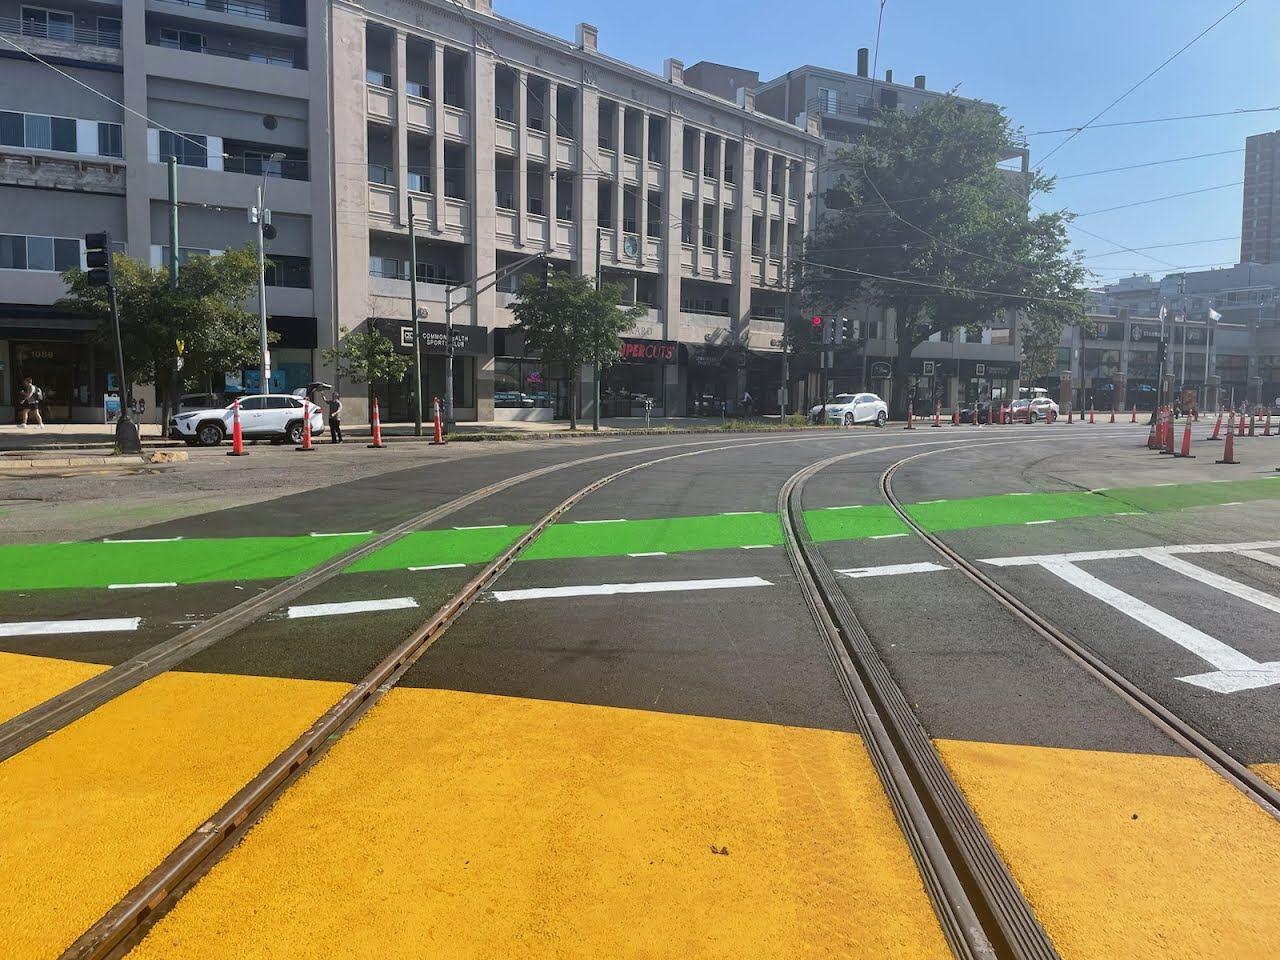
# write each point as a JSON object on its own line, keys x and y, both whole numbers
{"x": 367, "y": 357}
{"x": 930, "y": 225}
{"x": 571, "y": 322}
{"x": 203, "y": 320}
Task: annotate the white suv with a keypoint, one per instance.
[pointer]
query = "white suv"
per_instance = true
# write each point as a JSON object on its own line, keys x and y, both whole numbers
{"x": 272, "y": 416}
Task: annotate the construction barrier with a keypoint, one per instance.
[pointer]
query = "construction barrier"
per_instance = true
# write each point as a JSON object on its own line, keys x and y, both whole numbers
{"x": 237, "y": 435}
{"x": 377, "y": 428}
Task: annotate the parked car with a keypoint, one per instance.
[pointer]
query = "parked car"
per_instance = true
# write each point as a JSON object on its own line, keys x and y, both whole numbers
{"x": 984, "y": 412}
{"x": 1041, "y": 407}
{"x": 271, "y": 416}
{"x": 851, "y": 408}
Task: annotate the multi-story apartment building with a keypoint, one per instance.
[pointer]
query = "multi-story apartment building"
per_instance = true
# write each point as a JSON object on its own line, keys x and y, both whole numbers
{"x": 1260, "y": 216}
{"x": 236, "y": 89}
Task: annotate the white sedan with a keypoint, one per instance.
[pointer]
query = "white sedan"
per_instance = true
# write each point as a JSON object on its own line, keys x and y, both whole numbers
{"x": 851, "y": 408}
{"x": 271, "y": 416}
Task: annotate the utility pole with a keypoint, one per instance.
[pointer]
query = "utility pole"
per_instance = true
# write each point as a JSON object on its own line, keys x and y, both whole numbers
{"x": 595, "y": 376}
{"x": 413, "y": 307}
{"x": 262, "y": 217}
{"x": 786, "y": 323}
{"x": 173, "y": 223}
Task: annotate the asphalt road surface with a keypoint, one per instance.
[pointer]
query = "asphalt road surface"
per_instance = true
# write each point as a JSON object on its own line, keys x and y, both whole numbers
{"x": 635, "y": 741}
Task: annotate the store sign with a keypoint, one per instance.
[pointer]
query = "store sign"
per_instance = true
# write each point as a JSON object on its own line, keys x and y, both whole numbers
{"x": 467, "y": 340}
{"x": 647, "y": 351}
{"x": 1138, "y": 333}
{"x": 881, "y": 370}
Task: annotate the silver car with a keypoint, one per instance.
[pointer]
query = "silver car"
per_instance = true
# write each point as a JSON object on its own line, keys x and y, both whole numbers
{"x": 851, "y": 408}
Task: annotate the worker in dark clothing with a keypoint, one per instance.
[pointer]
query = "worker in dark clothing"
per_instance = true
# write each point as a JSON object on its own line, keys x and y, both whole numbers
{"x": 335, "y": 418}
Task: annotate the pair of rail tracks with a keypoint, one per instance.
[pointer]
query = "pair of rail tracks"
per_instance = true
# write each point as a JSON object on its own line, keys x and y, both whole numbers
{"x": 980, "y": 908}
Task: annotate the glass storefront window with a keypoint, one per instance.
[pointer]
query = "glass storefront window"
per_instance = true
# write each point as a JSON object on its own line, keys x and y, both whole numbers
{"x": 520, "y": 383}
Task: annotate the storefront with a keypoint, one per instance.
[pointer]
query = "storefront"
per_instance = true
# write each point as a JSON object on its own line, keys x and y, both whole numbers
{"x": 292, "y": 360}
{"x": 469, "y": 343}
{"x": 526, "y": 387}
{"x": 60, "y": 356}
{"x": 638, "y": 378}
{"x": 709, "y": 379}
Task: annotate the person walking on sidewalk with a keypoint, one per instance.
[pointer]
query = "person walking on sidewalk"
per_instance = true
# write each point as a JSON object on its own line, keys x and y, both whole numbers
{"x": 29, "y": 399}
{"x": 335, "y": 418}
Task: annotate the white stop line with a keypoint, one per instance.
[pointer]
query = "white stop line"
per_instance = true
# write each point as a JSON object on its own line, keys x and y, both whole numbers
{"x": 1233, "y": 670}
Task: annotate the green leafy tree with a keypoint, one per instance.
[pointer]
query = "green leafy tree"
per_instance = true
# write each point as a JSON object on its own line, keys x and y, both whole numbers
{"x": 203, "y": 321}
{"x": 928, "y": 224}
{"x": 572, "y": 323}
{"x": 369, "y": 357}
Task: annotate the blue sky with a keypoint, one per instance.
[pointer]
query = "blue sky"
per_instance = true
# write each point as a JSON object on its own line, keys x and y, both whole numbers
{"x": 1050, "y": 64}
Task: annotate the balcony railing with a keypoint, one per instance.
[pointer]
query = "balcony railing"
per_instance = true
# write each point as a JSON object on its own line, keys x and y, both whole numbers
{"x": 419, "y": 181}
{"x": 534, "y": 205}
{"x": 378, "y": 78}
{"x": 505, "y": 200}
{"x": 258, "y": 166}
{"x": 246, "y": 55}
{"x": 56, "y": 31}
{"x": 381, "y": 174}
{"x": 504, "y": 113}
{"x": 418, "y": 88}
{"x": 268, "y": 10}
{"x": 848, "y": 107}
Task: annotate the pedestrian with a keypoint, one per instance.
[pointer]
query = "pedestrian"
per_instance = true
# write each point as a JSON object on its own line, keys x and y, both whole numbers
{"x": 29, "y": 399}
{"x": 335, "y": 418}
{"x": 746, "y": 403}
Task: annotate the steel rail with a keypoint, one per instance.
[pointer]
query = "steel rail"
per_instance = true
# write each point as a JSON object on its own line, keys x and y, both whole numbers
{"x": 1179, "y": 730}
{"x": 49, "y": 716}
{"x": 123, "y": 925}
{"x": 980, "y": 908}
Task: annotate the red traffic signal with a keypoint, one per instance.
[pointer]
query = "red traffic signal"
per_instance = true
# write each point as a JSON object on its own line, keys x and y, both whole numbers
{"x": 817, "y": 321}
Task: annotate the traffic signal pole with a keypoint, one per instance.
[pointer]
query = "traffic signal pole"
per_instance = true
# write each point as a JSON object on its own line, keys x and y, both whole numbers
{"x": 101, "y": 273}
{"x": 413, "y": 309}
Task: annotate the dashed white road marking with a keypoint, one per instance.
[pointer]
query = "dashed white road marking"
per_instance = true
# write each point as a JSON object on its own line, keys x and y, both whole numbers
{"x": 483, "y": 526}
{"x": 1036, "y": 523}
{"x": 739, "y": 513}
{"x": 1027, "y": 493}
{"x": 852, "y": 506}
{"x": 352, "y": 533}
{"x": 140, "y": 586}
{"x": 887, "y": 536}
{"x": 618, "y": 520}
{"x": 757, "y": 546}
{"x": 923, "y": 502}
{"x": 437, "y": 566}
{"x": 350, "y": 606}
{"x": 652, "y": 553}
{"x": 612, "y": 589}
{"x": 1233, "y": 503}
{"x": 149, "y": 540}
{"x": 32, "y": 628}
{"x": 889, "y": 570}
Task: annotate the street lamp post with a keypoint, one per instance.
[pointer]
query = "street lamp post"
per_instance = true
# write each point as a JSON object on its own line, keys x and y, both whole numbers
{"x": 413, "y": 307}
{"x": 262, "y": 217}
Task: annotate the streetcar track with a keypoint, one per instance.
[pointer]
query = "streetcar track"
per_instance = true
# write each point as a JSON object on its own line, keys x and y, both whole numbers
{"x": 980, "y": 907}
{"x": 124, "y": 924}
{"x": 1182, "y": 732}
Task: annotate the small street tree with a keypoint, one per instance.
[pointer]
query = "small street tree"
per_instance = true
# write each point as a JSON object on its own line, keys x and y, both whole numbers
{"x": 572, "y": 323}
{"x": 367, "y": 356}
{"x": 202, "y": 322}
{"x": 928, "y": 224}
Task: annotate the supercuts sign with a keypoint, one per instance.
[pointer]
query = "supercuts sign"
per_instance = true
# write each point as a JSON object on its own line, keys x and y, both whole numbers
{"x": 648, "y": 351}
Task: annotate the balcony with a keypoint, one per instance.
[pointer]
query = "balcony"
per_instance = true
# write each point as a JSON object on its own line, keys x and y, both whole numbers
{"x": 18, "y": 168}
{"x": 275, "y": 59}
{"x": 265, "y": 11}
{"x": 59, "y": 40}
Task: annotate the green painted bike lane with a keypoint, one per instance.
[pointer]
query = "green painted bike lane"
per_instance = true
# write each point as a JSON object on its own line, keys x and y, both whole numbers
{"x": 100, "y": 564}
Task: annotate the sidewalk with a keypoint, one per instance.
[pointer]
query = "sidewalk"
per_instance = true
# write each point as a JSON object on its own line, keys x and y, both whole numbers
{"x": 95, "y": 435}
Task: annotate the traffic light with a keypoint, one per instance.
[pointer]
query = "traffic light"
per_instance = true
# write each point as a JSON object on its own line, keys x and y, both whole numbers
{"x": 815, "y": 328}
{"x": 97, "y": 257}
{"x": 842, "y": 331}
{"x": 829, "y": 330}
{"x": 1162, "y": 351}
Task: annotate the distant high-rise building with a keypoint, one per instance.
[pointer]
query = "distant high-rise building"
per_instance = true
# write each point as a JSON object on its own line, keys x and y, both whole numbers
{"x": 1260, "y": 220}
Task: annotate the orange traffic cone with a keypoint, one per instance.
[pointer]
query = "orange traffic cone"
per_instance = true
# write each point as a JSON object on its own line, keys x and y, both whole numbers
{"x": 1091, "y": 418}
{"x": 1186, "y": 442}
{"x": 377, "y": 428}
{"x": 1113, "y": 414}
{"x": 439, "y": 427}
{"x": 1217, "y": 428}
{"x": 1240, "y": 424}
{"x": 1133, "y": 416}
{"x": 237, "y": 435}
{"x": 1229, "y": 449}
{"x": 1266, "y": 430}
{"x": 1167, "y": 443}
{"x": 937, "y": 414}
{"x": 955, "y": 417}
{"x": 1070, "y": 414}
{"x": 1253, "y": 425}
{"x": 306, "y": 428}
{"x": 911, "y": 417}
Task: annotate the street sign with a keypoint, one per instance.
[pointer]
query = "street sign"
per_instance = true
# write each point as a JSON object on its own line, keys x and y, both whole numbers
{"x": 110, "y": 407}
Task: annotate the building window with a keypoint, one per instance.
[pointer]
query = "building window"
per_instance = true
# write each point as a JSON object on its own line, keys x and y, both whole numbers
{"x": 54, "y": 24}
{"x": 18, "y": 252}
{"x": 187, "y": 40}
{"x": 287, "y": 271}
{"x": 191, "y": 150}
{"x": 110, "y": 140}
{"x": 109, "y": 31}
{"x": 827, "y": 100}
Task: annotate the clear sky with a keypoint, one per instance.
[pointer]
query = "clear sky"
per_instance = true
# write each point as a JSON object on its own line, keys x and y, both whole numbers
{"x": 1049, "y": 63}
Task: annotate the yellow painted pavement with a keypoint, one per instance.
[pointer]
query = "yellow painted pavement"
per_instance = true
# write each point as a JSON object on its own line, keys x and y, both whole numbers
{"x": 1121, "y": 855}
{"x": 85, "y": 813}
{"x": 1269, "y": 772}
{"x": 26, "y": 681}
{"x": 452, "y": 824}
